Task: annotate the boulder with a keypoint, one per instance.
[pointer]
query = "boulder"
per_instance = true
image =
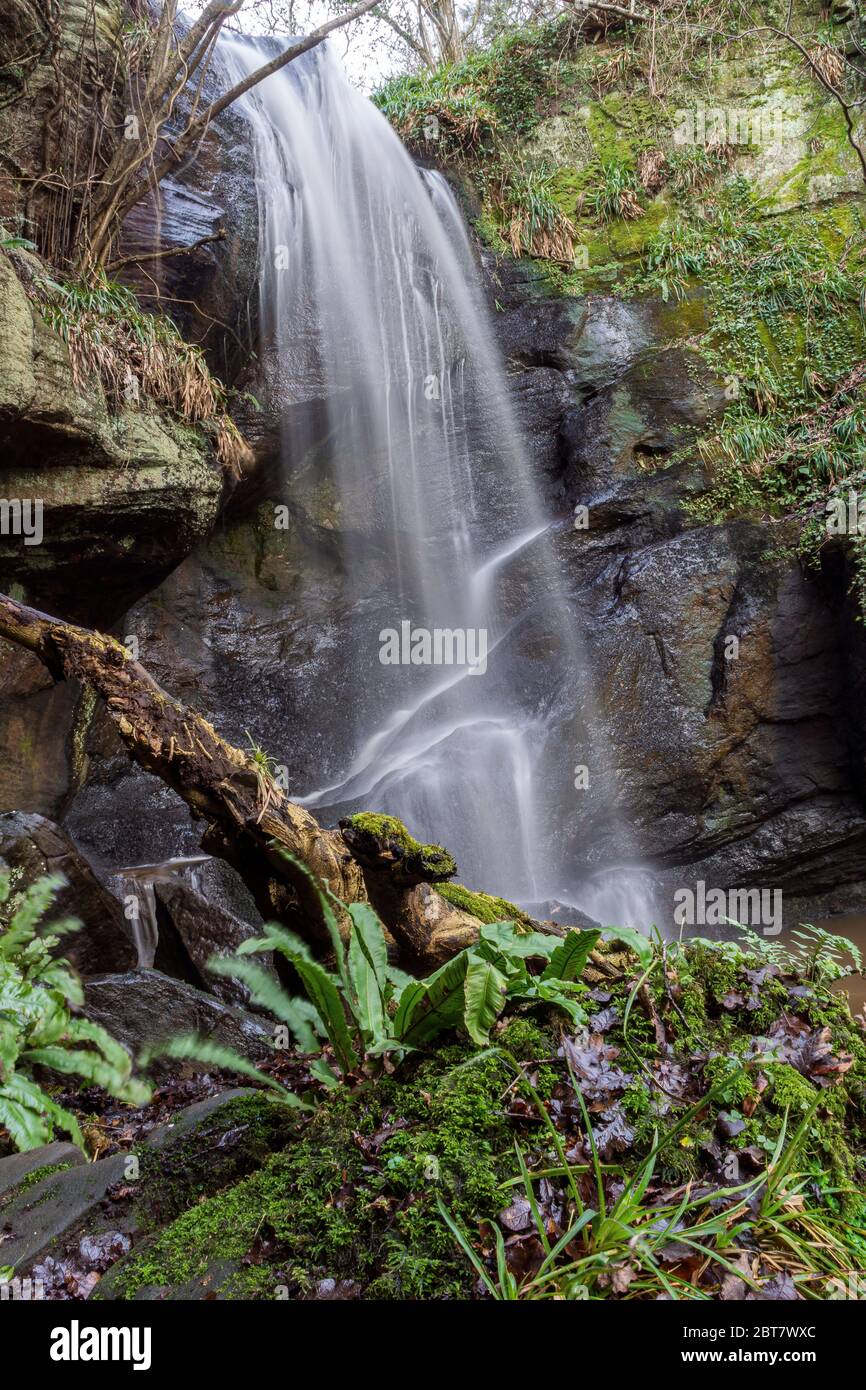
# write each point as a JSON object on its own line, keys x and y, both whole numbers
{"x": 144, "y": 1008}
{"x": 191, "y": 929}
{"x": 32, "y": 847}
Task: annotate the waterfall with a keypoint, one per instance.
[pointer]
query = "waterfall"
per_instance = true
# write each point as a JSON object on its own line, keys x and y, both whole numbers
{"x": 371, "y": 304}
{"x": 134, "y": 886}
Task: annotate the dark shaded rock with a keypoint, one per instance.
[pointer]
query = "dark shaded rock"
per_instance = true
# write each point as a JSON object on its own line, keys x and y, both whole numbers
{"x": 191, "y": 929}
{"x": 144, "y": 1008}
{"x": 133, "y": 491}
{"x": 593, "y": 340}
{"x": 126, "y": 494}
{"x": 735, "y": 761}
{"x": 18, "y": 1168}
{"x": 212, "y": 290}
{"x": 32, "y": 847}
{"x": 245, "y": 630}
{"x": 653, "y": 409}
{"x": 37, "y": 755}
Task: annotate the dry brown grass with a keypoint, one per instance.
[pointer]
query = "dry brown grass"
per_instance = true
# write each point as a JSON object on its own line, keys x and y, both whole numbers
{"x": 533, "y": 222}
{"x": 138, "y": 356}
{"x": 829, "y": 64}
{"x": 652, "y": 170}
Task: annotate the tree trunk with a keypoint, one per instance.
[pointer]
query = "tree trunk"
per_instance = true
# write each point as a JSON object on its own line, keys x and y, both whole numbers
{"x": 248, "y": 820}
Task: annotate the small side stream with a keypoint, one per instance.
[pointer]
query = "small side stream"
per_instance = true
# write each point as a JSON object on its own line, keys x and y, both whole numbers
{"x": 135, "y": 888}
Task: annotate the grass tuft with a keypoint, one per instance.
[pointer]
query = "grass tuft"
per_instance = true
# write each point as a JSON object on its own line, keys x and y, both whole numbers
{"x": 136, "y": 354}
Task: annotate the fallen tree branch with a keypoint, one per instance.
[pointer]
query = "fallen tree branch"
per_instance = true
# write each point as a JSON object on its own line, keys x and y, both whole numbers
{"x": 165, "y": 252}
{"x": 246, "y": 824}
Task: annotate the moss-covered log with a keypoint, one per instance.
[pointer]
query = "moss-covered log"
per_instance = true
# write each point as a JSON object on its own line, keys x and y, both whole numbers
{"x": 248, "y": 820}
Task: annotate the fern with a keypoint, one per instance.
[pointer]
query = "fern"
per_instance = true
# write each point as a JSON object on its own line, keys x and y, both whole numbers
{"x": 38, "y": 1028}
{"x": 191, "y": 1047}
{"x": 821, "y": 955}
{"x": 368, "y": 1010}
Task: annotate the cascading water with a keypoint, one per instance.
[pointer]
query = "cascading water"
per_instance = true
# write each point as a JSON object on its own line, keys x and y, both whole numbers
{"x": 134, "y": 887}
{"x": 370, "y": 303}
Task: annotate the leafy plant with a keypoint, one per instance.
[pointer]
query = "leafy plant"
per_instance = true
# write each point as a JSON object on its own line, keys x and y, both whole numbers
{"x": 38, "y": 1028}
{"x": 694, "y": 167}
{"x": 672, "y": 255}
{"x": 496, "y": 91}
{"x": 16, "y": 243}
{"x": 535, "y": 224}
{"x": 433, "y": 110}
{"x": 265, "y": 768}
{"x": 368, "y": 1010}
{"x": 616, "y": 192}
{"x": 785, "y": 334}
{"x": 820, "y": 956}
{"x": 637, "y": 1239}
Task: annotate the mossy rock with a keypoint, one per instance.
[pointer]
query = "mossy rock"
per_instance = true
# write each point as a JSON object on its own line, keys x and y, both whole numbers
{"x": 208, "y": 1147}
{"x": 356, "y": 1198}
{"x": 383, "y": 842}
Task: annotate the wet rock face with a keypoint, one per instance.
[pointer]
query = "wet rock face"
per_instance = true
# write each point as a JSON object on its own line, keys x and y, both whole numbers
{"x": 210, "y": 199}
{"x": 721, "y": 678}
{"x": 97, "y": 508}
{"x": 239, "y": 630}
{"x": 32, "y": 847}
{"x": 739, "y": 770}
{"x": 192, "y": 930}
{"x": 125, "y": 495}
{"x": 724, "y": 675}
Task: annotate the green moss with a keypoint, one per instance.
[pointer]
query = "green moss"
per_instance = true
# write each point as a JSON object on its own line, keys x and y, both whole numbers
{"x": 482, "y": 905}
{"x": 32, "y": 1180}
{"x": 238, "y": 1138}
{"x": 622, "y": 124}
{"x": 783, "y": 329}
{"x": 683, "y": 318}
{"x": 355, "y": 1198}
{"x": 382, "y": 837}
{"x": 496, "y": 93}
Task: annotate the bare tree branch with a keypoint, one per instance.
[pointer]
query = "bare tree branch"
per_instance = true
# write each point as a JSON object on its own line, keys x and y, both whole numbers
{"x": 121, "y": 188}
{"x": 165, "y": 252}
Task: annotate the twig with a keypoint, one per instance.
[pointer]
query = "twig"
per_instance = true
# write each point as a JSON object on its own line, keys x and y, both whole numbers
{"x": 167, "y": 251}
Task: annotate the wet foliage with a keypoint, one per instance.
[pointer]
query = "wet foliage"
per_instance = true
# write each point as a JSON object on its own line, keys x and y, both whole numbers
{"x": 700, "y": 1135}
